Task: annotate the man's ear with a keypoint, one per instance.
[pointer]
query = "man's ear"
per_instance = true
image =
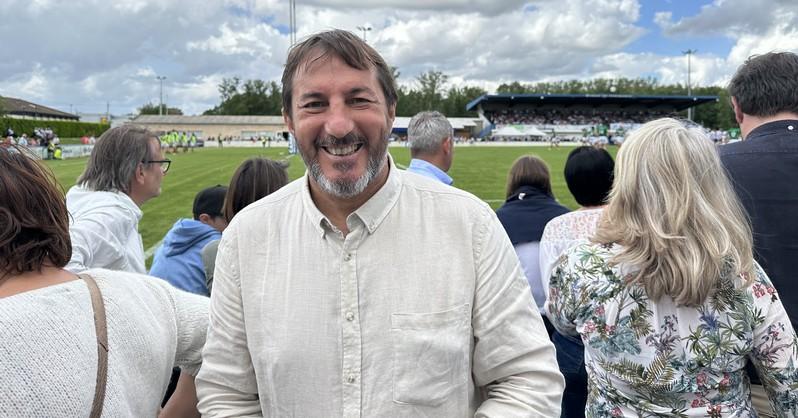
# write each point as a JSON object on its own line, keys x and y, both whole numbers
{"x": 288, "y": 122}
{"x": 739, "y": 116}
{"x": 205, "y": 218}
{"x": 139, "y": 176}
{"x": 448, "y": 143}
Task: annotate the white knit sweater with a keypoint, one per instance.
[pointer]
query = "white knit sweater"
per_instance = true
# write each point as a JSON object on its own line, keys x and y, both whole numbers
{"x": 48, "y": 351}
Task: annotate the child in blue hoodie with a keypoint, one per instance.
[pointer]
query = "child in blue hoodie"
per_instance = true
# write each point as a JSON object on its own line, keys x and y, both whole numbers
{"x": 178, "y": 260}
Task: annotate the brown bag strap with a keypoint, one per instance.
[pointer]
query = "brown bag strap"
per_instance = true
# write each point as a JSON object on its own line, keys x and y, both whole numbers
{"x": 101, "y": 330}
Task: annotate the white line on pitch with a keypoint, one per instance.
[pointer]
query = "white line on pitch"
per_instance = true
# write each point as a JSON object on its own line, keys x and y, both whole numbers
{"x": 150, "y": 251}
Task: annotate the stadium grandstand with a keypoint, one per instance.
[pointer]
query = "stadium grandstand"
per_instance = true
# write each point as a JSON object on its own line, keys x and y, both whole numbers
{"x": 23, "y": 109}
{"x": 573, "y": 116}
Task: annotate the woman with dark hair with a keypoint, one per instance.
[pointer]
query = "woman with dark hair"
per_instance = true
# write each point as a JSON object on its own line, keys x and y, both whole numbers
{"x": 589, "y": 175}
{"x": 254, "y": 179}
{"x": 668, "y": 300}
{"x": 104, "y": 341}
{"x": 529, "y": 206}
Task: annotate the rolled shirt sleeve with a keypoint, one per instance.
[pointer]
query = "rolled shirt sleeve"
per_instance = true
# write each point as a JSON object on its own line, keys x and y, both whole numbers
{"x": 226, "y": 385}
{"x": 514, "y": 361}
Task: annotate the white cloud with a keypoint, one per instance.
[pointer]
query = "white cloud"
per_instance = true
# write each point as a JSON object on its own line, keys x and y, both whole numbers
{"x": 705, "y": 69}
{"x": 486, "y": 7}
{"x": 252, "y": 41}
{"x": 781, "y": 37}
{"x": 730, "y": 17}
{"x": 756, "y": 27}
{"x": 32, "y": 85}
{"x": 145, "y": 72}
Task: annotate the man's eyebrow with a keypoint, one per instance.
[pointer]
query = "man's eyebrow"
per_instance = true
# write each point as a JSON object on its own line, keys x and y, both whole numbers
{"x": 357, "y": 90}
{"x": 312, "y": 95}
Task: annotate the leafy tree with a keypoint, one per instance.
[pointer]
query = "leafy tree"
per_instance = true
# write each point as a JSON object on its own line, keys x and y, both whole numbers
{"x": 229, "y": 88}
{"x": 431, "y": 85}
{"x": 253, "y": 97}
{"x": 152, "y": 109}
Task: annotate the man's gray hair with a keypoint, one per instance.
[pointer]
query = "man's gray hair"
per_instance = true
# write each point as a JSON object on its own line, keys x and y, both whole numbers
{"x": 113, "y": 161}
{"x": 427, "y": 130}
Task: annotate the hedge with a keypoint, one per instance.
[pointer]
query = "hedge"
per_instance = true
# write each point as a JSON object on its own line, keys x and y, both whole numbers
{"x": 60, "y": 127}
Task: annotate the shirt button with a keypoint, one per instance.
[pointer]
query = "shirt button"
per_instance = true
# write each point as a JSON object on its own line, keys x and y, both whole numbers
{"x": 790, "y": 127}
{"x": 350, "y": 378}
{"x": 347, "y": 257}
{"x": 350, "y": 316}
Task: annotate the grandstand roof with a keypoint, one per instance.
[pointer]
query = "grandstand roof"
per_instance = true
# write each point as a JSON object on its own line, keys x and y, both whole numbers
{"x": 401, "y": 122}
{"x": 590, "y": 100}
{"x": 26, "y": 109}
{"x": 208, "y": 120}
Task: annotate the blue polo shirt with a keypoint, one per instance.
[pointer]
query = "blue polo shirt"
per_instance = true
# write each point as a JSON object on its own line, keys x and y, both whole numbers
{"x": 429, "y": 170}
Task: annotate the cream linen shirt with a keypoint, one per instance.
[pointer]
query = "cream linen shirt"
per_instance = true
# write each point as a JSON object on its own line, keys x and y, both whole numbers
{"x": 420, "y": 310}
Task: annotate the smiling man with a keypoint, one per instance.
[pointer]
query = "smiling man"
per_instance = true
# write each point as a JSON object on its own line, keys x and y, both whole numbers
{"x": 360, "y": 290}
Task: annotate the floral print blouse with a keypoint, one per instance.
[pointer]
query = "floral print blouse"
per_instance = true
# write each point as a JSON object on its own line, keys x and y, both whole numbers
{"x": 657, "y": 359}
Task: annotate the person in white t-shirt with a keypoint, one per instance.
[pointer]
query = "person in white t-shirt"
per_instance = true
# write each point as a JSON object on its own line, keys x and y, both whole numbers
{"x": 589, "y": 175}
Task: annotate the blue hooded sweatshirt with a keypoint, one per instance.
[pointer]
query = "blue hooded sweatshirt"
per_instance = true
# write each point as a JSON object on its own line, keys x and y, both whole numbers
{"x": 179, "y": 259}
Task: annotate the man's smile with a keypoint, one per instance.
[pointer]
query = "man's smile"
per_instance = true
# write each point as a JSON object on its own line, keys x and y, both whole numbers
{"x": 343, "y": 150}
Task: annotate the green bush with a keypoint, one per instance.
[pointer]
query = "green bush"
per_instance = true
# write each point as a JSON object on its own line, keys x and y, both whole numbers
{"x": 59, "y": 127}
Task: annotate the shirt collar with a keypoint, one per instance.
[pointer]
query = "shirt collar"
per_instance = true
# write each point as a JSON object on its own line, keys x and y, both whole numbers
{"x": 371, "y": 213}
{"x": 132, "y": 205}
{"x": 419, "y": 165}
{"x": 789, "y": 126}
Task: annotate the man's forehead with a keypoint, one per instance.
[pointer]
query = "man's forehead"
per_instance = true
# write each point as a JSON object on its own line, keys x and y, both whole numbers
{"x": 317, "y": 59}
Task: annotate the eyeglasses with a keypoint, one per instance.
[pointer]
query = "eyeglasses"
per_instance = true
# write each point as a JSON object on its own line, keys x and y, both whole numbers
{"x": 164, "y": 164}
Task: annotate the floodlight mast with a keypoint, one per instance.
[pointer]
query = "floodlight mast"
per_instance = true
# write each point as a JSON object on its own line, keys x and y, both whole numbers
{"x": 365, "y": 29}
{"x": 160, "y": 105}
{"x": 292, "y": 21}
{"x": 689, "y": 54}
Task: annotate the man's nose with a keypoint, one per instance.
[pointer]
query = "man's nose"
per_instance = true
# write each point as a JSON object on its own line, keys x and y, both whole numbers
{"x": 339, "y": 122}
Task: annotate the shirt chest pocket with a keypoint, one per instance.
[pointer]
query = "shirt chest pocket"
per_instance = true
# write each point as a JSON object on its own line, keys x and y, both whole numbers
{"x": 431, "y": 353}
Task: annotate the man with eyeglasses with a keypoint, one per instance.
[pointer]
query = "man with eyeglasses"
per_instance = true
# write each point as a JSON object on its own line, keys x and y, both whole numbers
{"x": 125, "y": 169}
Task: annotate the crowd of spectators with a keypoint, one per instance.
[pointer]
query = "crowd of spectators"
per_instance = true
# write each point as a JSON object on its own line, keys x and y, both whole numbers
{"x": 531, "y": 116}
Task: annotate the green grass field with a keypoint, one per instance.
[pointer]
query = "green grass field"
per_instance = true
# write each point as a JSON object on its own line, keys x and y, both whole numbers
{"x": 479, "y": 170}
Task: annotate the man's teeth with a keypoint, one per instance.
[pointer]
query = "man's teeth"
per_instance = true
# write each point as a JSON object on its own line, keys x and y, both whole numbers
{"x": 342, "y": 150}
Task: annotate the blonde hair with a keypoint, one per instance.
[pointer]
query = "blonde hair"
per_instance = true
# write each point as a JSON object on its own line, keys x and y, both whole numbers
{"x": 674, "y": 213}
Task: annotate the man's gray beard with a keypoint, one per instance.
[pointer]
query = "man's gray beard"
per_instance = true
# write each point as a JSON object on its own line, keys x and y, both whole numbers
{"x": 345, "y": 189}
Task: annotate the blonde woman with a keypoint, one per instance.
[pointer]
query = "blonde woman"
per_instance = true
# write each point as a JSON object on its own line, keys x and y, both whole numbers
{"x": 669, "y": 302}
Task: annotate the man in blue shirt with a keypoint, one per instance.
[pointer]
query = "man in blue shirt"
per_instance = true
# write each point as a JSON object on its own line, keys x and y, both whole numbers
{"x": 179, "y": 259}
{"x": 431, "y": 146}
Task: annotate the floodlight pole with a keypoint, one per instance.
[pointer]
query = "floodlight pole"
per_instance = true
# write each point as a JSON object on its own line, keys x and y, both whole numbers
{"x": 364, "y": 29}
{"x": 689, "y": 54}
{"x": 292, "y": 21}
{"x": 160, "y": 106}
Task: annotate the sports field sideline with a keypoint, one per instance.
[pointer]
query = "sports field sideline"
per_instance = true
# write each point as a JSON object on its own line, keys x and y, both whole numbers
{"x": 480, "y": 170}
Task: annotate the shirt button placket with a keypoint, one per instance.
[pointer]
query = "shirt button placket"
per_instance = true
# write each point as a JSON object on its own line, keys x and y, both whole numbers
{"x": 351, "y": 333}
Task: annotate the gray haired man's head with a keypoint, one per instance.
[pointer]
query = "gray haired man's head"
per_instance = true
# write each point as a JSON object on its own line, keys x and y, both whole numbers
{"x": 427, "y": 131}
{"x": 115, "y": 157}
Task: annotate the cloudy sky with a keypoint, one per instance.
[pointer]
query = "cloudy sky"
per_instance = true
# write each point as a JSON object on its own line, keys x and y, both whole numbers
{"x": 79, "y": 55}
